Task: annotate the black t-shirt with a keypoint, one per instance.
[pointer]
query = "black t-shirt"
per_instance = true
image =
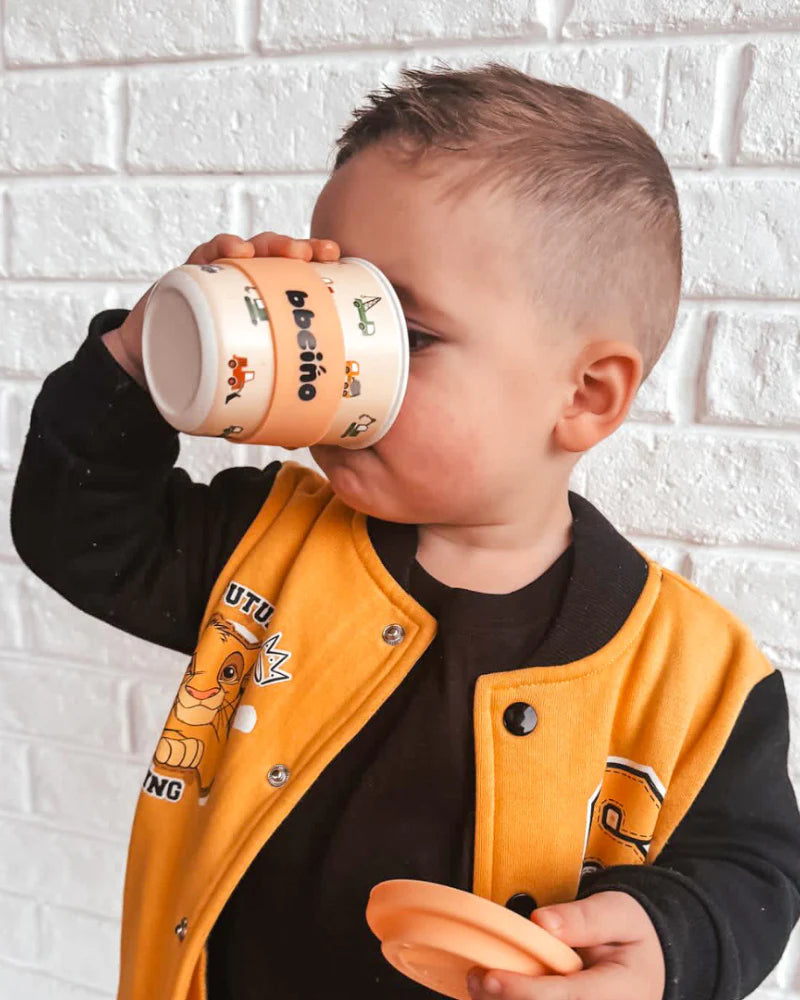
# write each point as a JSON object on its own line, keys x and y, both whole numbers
{"x": 397, "y": 802}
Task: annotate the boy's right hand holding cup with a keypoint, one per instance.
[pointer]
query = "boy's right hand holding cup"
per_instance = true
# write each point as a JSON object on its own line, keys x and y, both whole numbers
{"x": 125, "y": 342}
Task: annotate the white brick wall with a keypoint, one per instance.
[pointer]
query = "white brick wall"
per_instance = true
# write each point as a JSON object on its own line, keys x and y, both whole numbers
{"x": 132, "y": 132}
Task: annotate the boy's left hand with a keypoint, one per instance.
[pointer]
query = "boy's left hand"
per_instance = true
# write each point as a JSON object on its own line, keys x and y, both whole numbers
{"x": 617, "y": 941}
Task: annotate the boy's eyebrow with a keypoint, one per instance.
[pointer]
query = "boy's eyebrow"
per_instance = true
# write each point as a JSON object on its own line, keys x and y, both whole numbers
{"x": 407, "y": 294}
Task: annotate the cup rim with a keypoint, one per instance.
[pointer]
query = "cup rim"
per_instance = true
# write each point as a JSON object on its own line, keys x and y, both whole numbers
{"x": 403, "y": 361}
{"x": 194, "y": 414}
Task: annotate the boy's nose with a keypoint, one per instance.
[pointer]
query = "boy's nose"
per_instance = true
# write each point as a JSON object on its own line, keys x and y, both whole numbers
{"x": 200, "y": 695}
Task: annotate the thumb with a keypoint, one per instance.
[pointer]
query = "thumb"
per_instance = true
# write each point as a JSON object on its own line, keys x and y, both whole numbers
{"x": 604, "y": 918}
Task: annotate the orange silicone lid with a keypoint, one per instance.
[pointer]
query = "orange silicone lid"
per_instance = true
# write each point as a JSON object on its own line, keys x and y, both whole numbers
{"x": 292, "y": 421}
{"x": 435, "y": 934}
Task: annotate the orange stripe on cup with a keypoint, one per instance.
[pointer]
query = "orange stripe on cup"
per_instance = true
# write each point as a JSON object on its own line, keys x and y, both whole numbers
{"x": 304, "y": 398}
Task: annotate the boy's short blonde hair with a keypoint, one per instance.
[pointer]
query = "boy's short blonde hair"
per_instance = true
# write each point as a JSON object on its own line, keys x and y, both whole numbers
{"x": 596, "y": 197}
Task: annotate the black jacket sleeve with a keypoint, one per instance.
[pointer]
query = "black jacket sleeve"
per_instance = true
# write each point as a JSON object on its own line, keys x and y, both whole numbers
{"x": 724, "y": 893}
{"x": 100, "y": 513}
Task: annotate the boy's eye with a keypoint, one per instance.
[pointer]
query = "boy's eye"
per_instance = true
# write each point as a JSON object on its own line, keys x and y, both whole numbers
{"x": 417, "y": 339}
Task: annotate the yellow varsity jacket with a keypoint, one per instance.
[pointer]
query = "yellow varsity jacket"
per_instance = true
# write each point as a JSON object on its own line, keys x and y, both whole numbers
{"x": 306, "y": 622}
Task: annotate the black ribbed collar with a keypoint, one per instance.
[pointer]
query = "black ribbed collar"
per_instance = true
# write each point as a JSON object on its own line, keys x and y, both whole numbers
{"x": 608, "y": 574}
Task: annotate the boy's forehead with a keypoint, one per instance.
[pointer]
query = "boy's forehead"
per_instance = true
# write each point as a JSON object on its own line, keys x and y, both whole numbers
{"x": 438, "y": 252}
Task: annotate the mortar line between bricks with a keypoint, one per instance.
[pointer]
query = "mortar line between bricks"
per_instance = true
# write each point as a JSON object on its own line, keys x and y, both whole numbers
{"x": 78, "y": 911}
{"x": 107, "y": 671}
{"x": 96, "y": 753}
{"x": 39, "y": 971}
{"x": 732, "y": 432}
{"x": 65, "y": 826}
{"x": 728, "y": 551}
{"x": 536, "y": 39}
{"x": 50, "y": 826}
{"x": 16, "y": 894}
{"x": 223, "y": 179}
{"x": 152, "y": 178}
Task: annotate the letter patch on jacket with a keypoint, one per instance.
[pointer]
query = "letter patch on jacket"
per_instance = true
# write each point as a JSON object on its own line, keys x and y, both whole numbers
{"x": 229, "y": 653}
{"x": 621, "y": 815}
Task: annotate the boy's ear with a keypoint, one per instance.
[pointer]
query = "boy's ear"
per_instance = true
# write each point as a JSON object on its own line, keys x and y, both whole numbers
{"x": 606, "y": 377}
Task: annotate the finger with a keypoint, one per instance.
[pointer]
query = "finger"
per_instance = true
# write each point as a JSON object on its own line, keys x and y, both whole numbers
{"x": 222, "y": 245}
{"x": 271, "y": 244}
{"x": 325, "y": 249}
{"x": 601, "y": 982}
{"x": 604, "y": 918}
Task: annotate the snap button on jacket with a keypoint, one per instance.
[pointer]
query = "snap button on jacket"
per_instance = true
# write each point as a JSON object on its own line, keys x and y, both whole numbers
{"x": 306, "y": 634}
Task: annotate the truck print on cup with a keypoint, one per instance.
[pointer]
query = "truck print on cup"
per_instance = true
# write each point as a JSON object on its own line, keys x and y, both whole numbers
{"x": 352, "y": 386}
{"x": 239, "y": 375}
{"x": 362, "y": 304}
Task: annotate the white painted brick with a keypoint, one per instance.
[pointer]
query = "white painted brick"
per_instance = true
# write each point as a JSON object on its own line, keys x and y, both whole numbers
{"x": 63, "y": 868}
{"x": 15, "y": 788}
{"x": 68, "y": 31}
{"x": 698, "y": 487}
{"x": 577, "y": 479}
{"x": 467, "y": 57}
{"x": 16, "y": 402}
{"x": 685, "y": 133}
{"x": 19, "y": 941}
{"x": 81, "y": 947}
{"x": 253, "y": 116}
{"x": 57, "y": 628}
{"x": 628, "y": 76}
{"x": 151, "y": 702}
{"x": 3, "y": 227}
{"x": 57, "y": 122}
{"x": 43, "y": 326}
{"x": 204, "y": 457}
{"x": 656, "y": 401}
{"x": 283, "y": 206}
{"x": 259, "y": 456}
{"x": 666, "y": 555}
{"x": 753, "y": 373}
{"x": 791, "y": 679}
{"x": 113, "y": 230}
{"x": 326, "y": 24}
{"x": 39, "y": 698}
{"x": 769, "y": 130}
{"x": 740, "y": 236}
{"x": 762, "y": 592}
{"x": 141, "y": 657}
{"x": 18, "y": 983}
{"x": 85, "y": 792}
{"x": 7, "y": 550}
{"x": 787, "y": 972}
{"x": 12, "y": 619}
{"x": 623, "y": 75}
{"x": 643, "y": 17}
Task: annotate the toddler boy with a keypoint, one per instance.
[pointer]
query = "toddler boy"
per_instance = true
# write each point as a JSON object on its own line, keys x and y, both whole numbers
{"x": 437, "y": 662}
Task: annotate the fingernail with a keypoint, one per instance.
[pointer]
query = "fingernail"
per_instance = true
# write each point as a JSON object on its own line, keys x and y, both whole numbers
{"x": 473, "y": 984}
{"x": 492, "y": 985}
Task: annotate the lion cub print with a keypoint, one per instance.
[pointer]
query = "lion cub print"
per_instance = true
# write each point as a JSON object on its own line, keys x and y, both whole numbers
{"x": 199, "y": 722}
